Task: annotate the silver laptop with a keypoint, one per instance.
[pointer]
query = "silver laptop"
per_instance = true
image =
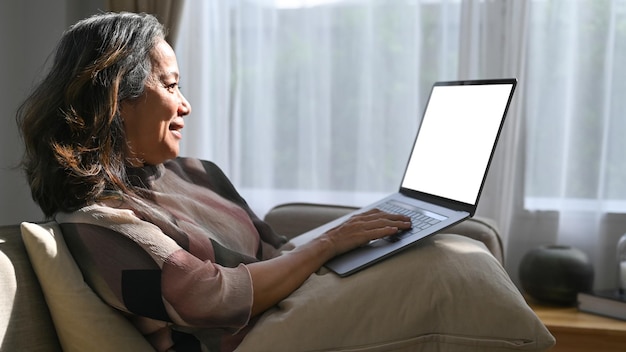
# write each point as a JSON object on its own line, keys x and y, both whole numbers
{"x": 445, "y": 172}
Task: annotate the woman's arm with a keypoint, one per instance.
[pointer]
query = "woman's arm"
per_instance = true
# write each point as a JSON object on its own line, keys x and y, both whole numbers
{"x": 275, "y": 279}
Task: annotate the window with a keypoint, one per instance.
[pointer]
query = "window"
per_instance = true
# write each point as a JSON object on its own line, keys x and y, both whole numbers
{"x": 576, "y": 106}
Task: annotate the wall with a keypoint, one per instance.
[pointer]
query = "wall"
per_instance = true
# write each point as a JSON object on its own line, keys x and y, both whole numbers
{"x": 29, "y": 30}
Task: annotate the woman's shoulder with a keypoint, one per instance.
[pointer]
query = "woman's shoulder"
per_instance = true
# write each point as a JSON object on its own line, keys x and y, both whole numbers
{"x": 98, "y": 214}
{"x": 103, "y": 218}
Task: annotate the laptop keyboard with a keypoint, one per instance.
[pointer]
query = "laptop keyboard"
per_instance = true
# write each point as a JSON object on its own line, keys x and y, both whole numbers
{"x": 419, "y": 218}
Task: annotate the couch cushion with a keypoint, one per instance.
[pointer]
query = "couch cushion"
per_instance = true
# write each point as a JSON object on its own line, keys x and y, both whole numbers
{"x": 447, "y": 293}
{"x": 25, "y": 323}
{"x": 83, "y": 321}
{"x": 483, "y": 230}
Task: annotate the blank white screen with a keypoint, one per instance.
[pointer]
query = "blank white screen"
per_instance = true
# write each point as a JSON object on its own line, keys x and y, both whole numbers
{"x": 455, "y": 140}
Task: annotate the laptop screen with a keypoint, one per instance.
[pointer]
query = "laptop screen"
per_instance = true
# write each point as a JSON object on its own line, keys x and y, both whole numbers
{"x": 457, "y": 138}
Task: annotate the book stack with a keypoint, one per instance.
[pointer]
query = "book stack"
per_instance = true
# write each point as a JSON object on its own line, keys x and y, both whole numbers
{"x": 610, "y": 303}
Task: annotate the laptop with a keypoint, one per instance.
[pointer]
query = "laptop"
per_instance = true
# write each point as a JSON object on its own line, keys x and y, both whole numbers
{"x": 446, "y": 170}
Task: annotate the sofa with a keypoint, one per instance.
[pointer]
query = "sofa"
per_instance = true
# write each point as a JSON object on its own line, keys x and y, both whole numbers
{"x": 45, "y": 305}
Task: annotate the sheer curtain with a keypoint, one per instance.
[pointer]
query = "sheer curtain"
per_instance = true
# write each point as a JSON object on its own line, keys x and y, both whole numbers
{"x": 575, "y": 168}
{"x": 313, "y": 100}
{"x": 319, "y": 100}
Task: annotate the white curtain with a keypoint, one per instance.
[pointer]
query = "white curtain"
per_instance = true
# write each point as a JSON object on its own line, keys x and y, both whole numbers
{"x": 575, "y": 167}
{"x": 319, "y": 100}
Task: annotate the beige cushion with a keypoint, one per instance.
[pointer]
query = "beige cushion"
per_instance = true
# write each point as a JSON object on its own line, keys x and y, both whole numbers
{"x": 481, "y": 229}
{"x": 83, "y": 322}
{"x": 447, "y": 293}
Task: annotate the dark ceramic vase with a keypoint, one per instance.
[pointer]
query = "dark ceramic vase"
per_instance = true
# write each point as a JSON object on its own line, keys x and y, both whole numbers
{"x": 555, "y": 274}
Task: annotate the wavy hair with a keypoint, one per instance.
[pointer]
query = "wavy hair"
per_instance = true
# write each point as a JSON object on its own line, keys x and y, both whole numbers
{"x": 75, "y": 145}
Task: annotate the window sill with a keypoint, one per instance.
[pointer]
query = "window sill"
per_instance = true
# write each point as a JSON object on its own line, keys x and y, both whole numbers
{"x": 574, "y": 205}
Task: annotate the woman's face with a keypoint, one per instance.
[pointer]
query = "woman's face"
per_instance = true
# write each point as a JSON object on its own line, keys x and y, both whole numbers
{"x": 153, "y": 122}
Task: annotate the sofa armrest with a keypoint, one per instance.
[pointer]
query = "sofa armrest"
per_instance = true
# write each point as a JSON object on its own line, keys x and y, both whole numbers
{"x": 292, "y": 219}
{"x": 25, "y": 322}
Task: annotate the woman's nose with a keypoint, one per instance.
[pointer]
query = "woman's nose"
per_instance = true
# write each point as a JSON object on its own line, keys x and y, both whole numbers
{"x": 184, "y": 107}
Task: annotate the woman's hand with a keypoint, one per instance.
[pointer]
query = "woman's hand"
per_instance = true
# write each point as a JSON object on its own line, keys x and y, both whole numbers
{"x": 275, "y": 279}
{"x": 362, "y": 228}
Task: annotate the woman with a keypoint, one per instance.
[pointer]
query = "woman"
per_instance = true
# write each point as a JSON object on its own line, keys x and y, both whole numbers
{"x": 166, "y": 240}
